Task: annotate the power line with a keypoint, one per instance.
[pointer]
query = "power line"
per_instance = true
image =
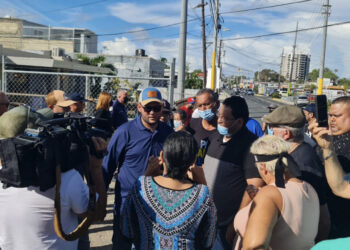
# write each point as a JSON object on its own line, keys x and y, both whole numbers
{"x": 194, "y": 19}
{"x": 265, "y": 7}
{"x": 250, "y": 57}
{"x": 67, "y": 8}
{"x": 286, "y": 32}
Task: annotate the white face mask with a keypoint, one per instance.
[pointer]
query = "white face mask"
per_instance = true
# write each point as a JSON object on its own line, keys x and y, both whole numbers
{"x": 177, "y": 124}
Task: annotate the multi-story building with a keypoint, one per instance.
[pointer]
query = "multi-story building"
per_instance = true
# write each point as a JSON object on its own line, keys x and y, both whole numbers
{"x": 301, "y": 66}
{"x": 24, "y": 35}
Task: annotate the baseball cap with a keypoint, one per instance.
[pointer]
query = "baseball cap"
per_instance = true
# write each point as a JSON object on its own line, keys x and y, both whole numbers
{"x": 310, "y": 108}
{"x": 62, "y": 101}
{"x": 166, "y": 105}
{"x": 191, "y": 100}
{"x": 288, "y": 115}
{"x": 77, "y": 97}
{"x": 150, "y": 95}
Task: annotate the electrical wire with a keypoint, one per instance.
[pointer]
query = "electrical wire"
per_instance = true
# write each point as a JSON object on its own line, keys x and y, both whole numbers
{"x": 286, "y": 32}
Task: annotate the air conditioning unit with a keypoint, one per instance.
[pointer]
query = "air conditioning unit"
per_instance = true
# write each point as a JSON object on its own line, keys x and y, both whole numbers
{"x": 58, "y": 52}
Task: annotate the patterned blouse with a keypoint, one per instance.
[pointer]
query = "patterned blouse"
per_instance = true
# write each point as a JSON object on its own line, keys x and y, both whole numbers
{"x": 155, "y": 217}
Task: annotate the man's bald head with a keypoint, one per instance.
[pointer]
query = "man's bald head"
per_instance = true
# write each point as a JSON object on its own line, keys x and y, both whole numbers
{"x": 4, "y": 103}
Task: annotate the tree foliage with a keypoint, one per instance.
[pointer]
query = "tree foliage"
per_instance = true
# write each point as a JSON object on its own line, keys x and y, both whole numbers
{"x": 165, "y": 61}
{"x": 193, "y": 81}
{"x": 327, "y": 73}
{"x": 345, "y": 82}
{"x": 268, "y": 75}
{"x": 98, "y": 61}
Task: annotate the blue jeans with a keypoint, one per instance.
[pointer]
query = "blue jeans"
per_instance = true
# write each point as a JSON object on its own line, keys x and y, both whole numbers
{"x": 220, "y": 242}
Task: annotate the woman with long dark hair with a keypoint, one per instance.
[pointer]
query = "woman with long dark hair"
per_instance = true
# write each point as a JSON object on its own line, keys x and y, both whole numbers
{"x": 170, "y": 211}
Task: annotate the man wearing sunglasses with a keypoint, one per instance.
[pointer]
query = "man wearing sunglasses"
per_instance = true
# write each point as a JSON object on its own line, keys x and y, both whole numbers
{"x": 4, "y": 103}
{"x": 133, "y": 144}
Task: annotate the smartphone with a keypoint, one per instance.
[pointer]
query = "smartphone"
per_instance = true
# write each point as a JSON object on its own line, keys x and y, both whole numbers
{"x": 321, "y": 110}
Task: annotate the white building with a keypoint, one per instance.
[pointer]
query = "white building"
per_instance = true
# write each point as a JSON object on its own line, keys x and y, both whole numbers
{"x": 20, "y": 34}
{"x": 301, "y": 66}
{"x": 137, "y": 66}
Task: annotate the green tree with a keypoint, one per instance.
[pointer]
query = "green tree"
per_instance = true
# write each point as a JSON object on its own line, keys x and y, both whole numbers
{"x": 345, "y": 82}
{"x": 268, "y": 75}
{"x": 165, "y": 61}
{"x": 98, "y": 61}
{"x": 326, "y": 74}
{"x": 193, "y": 81}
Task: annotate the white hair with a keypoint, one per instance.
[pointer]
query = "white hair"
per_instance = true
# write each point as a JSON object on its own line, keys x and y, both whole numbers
{"x": 121, "y": 92}
{"x": 271, "y": 145}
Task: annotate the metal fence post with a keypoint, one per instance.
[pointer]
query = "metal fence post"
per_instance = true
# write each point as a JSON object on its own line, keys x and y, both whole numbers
{"x": 86, "y": 86}
{"x": 3, "y": 76}
{"x": 2, "y": 72}
{"x": 171, "y": 83}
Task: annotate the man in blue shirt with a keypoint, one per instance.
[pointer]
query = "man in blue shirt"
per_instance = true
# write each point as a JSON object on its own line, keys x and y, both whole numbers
{"x": 130, "y": 148}
{"x": 119, "y": 112}
{"x": 254, "y": 127}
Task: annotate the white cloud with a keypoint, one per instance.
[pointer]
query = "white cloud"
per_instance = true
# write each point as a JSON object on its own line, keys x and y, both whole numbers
{"x": 158, "y": 14}
{"x": 119, "y": 46}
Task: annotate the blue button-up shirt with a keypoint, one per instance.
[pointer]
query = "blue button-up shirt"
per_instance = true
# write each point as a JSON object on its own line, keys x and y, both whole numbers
{"x": 119, "y": 114}
{"x": 130, "y": 147}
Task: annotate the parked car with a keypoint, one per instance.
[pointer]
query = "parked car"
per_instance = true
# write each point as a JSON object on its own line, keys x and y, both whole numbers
{"x": 301, "y": 100}
{"x": 250, "y": 92}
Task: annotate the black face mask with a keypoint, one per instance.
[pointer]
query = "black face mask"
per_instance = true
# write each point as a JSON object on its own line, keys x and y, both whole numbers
{"x": 126, "y": 99}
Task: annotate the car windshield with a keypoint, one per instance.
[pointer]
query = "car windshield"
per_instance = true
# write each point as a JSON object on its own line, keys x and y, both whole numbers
{"x": 302, "y": 97}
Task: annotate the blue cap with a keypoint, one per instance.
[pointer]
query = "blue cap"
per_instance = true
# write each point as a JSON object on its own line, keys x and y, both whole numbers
{"x": 77, "y": 97}
{"x": 310, "y": 108}
{"x": 150, "y": 95}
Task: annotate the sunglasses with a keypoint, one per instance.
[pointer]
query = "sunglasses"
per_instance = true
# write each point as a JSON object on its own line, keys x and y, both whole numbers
{"x": 150, "y": 108}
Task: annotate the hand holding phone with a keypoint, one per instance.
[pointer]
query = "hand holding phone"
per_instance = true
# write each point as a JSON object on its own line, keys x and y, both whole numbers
{"x": 321, "y": 111}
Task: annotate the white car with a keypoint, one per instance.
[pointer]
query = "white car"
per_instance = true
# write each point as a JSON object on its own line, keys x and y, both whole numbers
{"x": 301, "y": 100}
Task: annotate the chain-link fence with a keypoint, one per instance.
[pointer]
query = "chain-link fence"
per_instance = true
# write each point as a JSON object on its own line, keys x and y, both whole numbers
{"x": 31, "y": 87}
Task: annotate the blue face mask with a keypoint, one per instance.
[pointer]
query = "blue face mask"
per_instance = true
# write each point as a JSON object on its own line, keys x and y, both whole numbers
{"x": 206, "y": 114}
{"x": 177, "y": 124}
{"x": 269, "y": 130}
{"x": 223, "y": 131}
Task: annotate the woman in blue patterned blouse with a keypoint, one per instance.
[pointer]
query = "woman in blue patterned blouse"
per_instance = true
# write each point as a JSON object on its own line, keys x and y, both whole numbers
{"x": 171, "y": 211}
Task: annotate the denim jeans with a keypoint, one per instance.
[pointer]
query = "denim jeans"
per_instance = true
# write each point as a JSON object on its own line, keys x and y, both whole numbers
{"x": 220, "y": 242}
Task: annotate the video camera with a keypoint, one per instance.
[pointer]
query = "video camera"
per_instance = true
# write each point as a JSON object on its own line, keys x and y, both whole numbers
{"x": 30, "y": 159}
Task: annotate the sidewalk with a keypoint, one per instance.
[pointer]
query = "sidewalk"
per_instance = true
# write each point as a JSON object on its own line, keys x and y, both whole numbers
{"x": 101, "y": 233}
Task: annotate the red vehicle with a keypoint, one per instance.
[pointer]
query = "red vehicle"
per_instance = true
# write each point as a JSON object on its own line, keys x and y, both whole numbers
{"x": 311, "y": 98}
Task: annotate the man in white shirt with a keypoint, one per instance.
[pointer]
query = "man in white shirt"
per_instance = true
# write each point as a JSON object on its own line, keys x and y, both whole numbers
{"x": 27, "y": 214}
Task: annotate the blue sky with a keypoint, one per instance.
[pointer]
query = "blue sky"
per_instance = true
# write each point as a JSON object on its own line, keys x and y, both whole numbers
{"x": 110, "y": 16}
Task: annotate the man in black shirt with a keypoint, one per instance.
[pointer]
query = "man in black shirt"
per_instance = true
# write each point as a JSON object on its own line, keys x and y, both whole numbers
{"x": 339, "y": 124}
{"x": 288, "y": 123}
{"x": 224, "y": 168}
{"x": 205, "y": 127}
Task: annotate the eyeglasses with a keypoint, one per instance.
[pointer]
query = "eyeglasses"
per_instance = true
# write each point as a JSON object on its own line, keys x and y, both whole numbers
{"x": 7, "y": 104}
{"x": 148, "y": 109}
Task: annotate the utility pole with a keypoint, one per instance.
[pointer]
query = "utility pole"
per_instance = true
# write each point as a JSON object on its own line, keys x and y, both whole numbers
{"x": 219, "y": 59}
{"x": 259, "y": 73}
{"x": 204, "y": 45}
{"x": 182, "y": 50}
{"x": 323, "y": 53}
{"x": 279, "y": 76}
{"x": 292, "y": 61}
{"x": 216, "y": 27}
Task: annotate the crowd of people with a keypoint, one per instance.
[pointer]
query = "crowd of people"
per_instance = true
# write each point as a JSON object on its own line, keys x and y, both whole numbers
{"x": 202, "y": 176}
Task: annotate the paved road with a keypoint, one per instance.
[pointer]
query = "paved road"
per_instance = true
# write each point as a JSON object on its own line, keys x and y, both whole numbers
{"x": 101, "y": 233}
{"x": 258, "y": 106}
